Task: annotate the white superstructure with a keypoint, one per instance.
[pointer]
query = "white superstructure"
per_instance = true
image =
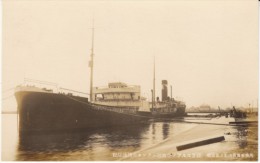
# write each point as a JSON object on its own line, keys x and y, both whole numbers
{"x": 120, "y": 94}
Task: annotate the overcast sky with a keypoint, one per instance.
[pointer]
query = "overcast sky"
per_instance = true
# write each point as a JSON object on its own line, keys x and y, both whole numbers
{"x": 206, "y": 49}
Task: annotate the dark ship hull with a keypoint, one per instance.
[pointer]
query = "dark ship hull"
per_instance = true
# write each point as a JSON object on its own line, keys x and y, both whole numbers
{"x": 41, "y": 111}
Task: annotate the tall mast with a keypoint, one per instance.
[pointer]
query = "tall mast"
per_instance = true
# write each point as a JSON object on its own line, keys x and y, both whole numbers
{"x": 171, "y": 92}
{"x": 153, "y": 81}
{"x": 91, "y": 63}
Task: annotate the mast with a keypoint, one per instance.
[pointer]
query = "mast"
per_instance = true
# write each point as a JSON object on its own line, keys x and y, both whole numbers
{"x": 91, "y": 62}
{"x": 171, "y": 92}
{"x": 153, "y": 101}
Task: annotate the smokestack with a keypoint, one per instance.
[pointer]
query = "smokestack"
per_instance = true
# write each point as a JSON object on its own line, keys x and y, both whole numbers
{"x": 164, "y": 90}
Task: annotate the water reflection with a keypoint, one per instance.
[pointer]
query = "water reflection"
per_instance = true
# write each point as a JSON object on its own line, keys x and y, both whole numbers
{"x": 165, "y": 130}
{"x": 94, "y": 145}
{"x": 100, "y": 144}
{"x": 93, "y": 141}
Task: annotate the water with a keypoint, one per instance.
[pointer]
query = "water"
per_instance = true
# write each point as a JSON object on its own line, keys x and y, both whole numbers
{"x": 109, "y": 143}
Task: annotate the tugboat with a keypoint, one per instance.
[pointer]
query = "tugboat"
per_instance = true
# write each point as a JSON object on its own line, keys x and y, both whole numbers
{"x": 168, "y": 107}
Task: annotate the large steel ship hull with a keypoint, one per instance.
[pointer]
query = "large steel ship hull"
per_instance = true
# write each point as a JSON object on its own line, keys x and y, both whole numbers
{"x": 39, "y": 111}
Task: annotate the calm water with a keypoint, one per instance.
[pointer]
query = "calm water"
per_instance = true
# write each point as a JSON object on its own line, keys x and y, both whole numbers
{"x": 101, "y": 144}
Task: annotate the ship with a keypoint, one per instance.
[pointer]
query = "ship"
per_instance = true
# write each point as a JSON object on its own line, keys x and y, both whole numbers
{"x": 168, "y": 107}
{"x": 60, "y": 109}
{"x": 41, "y": 109}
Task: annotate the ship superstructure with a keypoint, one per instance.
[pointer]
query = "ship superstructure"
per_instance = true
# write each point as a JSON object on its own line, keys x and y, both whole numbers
{"x": 119, "y": 94}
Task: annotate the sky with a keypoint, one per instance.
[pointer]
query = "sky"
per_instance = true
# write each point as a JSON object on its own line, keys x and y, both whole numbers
{"x": 206, "y": 49}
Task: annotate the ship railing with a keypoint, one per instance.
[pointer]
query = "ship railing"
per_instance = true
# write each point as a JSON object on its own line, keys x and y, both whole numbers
{"x": 40, "y": 84}
{"x": 45, "y": 84}
{"x": 118, "y": 100}
{"x": 128, "y": 86}
{"x": 118, "y": 109}
{"x": 70, "y": 91}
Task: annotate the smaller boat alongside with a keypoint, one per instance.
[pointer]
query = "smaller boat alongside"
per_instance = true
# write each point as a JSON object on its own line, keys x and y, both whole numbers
{"x": 168, "y": 107}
